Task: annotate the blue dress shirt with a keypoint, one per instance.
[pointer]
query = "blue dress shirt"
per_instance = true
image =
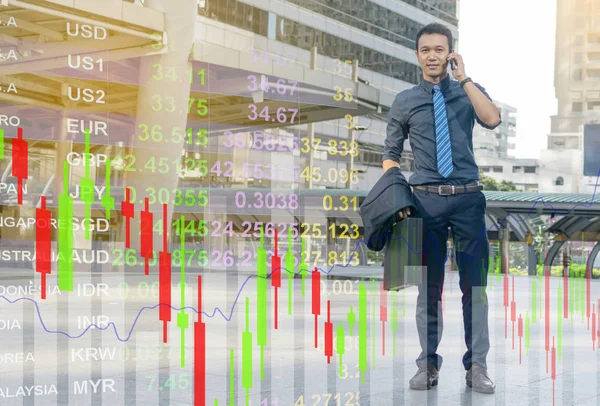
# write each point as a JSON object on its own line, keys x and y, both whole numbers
{"x": 411, "y": 116}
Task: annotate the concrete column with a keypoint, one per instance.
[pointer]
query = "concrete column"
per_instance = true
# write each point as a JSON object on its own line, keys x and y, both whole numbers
{"x": 180, "y": 20}
{"x": 504, "y": 247}
{"x": 531, "y": 260}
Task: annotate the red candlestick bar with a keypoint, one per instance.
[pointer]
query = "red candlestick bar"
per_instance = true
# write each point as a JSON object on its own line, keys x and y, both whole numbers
{"x": 382, "y": 315}
{"x": 146, "y": 231}
{"x": 127, "y": 211}
{"x": 547, "y": 310}
{"x": 565, "y": 295}
{"x": 328, "y": 334}
{"x": 316, "y": 301}
{"x": 164, "y": 280}
{"x": 276, "y": 279}
{"x": 593, "y": 328}
{"x": 20, "y": 166}
{"x": 42, "y": 243}
{"x": 513, "y": 312}
{"x": 520, "y": 337}
{"x": 505, "y": 306}
{"x": 199, "y": 353}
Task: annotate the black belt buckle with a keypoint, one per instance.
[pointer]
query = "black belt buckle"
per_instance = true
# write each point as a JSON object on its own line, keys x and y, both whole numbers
{"x": 451, "y": 188}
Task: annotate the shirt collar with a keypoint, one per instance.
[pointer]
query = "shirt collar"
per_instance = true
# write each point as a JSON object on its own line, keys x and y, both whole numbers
{"x": 444, "y": 84}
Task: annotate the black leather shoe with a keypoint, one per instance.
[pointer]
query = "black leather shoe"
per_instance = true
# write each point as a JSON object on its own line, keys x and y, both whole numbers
{"x": 425, "y": 378}
{"x": 478, "y": 380}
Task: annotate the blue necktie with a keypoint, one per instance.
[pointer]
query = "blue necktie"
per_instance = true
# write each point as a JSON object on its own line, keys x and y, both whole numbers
{"x": 442, "y": 134}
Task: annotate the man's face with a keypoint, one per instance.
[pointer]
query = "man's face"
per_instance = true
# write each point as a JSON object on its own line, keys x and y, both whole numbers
{"x": 432, "y": 54}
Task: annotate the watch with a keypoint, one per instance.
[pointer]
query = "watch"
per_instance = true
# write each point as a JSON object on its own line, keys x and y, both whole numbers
{"x": 464, "y": 81}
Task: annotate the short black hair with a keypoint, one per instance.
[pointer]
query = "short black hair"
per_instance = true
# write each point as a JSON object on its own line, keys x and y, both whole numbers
{"x": 435, "y": 28}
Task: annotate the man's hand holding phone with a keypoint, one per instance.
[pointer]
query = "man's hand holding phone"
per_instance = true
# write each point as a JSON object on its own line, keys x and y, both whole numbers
{"x": 457, "y": 65}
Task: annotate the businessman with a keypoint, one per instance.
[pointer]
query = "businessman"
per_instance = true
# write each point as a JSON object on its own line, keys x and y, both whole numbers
{"x": 437, "y": 117}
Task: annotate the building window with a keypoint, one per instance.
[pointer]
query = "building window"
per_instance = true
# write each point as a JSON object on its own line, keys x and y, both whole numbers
{"x": 529, "y": 169}
{"x": 485, "y": 168}
{"x": 516, "y": 169}
{"x": 593, "y": 74}
{"x": 593, "y": 105}
{"x": 593, "y": 56}
{"x": 559, "y": 181}
{"x": 592, "y": 38}
{"x": 497, "y": 169}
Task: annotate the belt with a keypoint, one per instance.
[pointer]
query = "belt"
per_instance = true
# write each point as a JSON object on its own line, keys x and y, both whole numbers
{"x": 447, "y": 190}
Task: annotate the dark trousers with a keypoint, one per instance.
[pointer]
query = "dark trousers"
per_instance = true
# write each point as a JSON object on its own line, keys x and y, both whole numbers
{"x": 465, "y": 215}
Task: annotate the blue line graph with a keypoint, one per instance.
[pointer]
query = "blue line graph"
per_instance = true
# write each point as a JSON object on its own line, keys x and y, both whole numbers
{"x": 228, "y": 318}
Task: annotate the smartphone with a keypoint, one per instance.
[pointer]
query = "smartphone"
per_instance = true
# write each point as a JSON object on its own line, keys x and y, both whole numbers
{"x": 452, "y": 62}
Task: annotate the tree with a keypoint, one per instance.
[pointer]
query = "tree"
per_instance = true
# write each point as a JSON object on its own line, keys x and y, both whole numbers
{"x": 492, "y": 184}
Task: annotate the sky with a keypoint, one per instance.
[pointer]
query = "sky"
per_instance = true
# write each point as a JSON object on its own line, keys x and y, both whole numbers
{"x": 508, "y": 48}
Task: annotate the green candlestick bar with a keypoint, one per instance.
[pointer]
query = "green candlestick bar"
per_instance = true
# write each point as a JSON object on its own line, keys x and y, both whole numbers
{"x": 373, "y": 321}
{"x": 560, "y": 314}
{"x": 533, "y": 301}
{"x": 108, "y": 202}
{"x": 394, "y": 325}
{"x": 1, "y": 143}
{"x": 351, "y": 320}
{"x": 86, "y": 186}
{"x": 303, "y": 267}
{"x": 231, "y": 379}
{"x": 247, "y": 354}
{"x": 289, "y": 267}
{"x": 527, "y": 329}
{"x": 577, "y": 291}
{"x": 582, "y": 297}
{"x": 540, "y": 296}
{"x": 340, "y": 347}
{"x": 571, "y": 296}
{"x": 65, "y": 235}
{"x": 362, "y": 330}
{"x": 182, "y": 317}
{"x": 261, "y": 301}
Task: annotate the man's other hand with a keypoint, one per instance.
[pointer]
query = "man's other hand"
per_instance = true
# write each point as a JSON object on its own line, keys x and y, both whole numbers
{"x": 401, "y": 213}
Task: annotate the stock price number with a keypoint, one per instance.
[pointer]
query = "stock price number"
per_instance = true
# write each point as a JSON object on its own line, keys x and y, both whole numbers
{"x": 334, "y": 147}
{"x": 168, "y": 73}
{"x": 334, "y": 230}
{"x": 334, "y": 175}
{"x": 269, "y": 171}
{"x": 281, "y": 86}
{"x": 323, "y": 399}
{"x": 268, "y": 200}
{"x": 333, "y": 258}
{"x": 174, "y": 382}
{"x": 345, "y": 95}
{"x": 177, "y": 135}
{"x": 198, "y": 106}
{"x": 341, "y": 203}
{"x": 259, "y": 140}
{"x": 162, "y": 165}
{"x": 177, "y": 197}
{"x": 263, "y": 56}
{"x": 281, "y": 115}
